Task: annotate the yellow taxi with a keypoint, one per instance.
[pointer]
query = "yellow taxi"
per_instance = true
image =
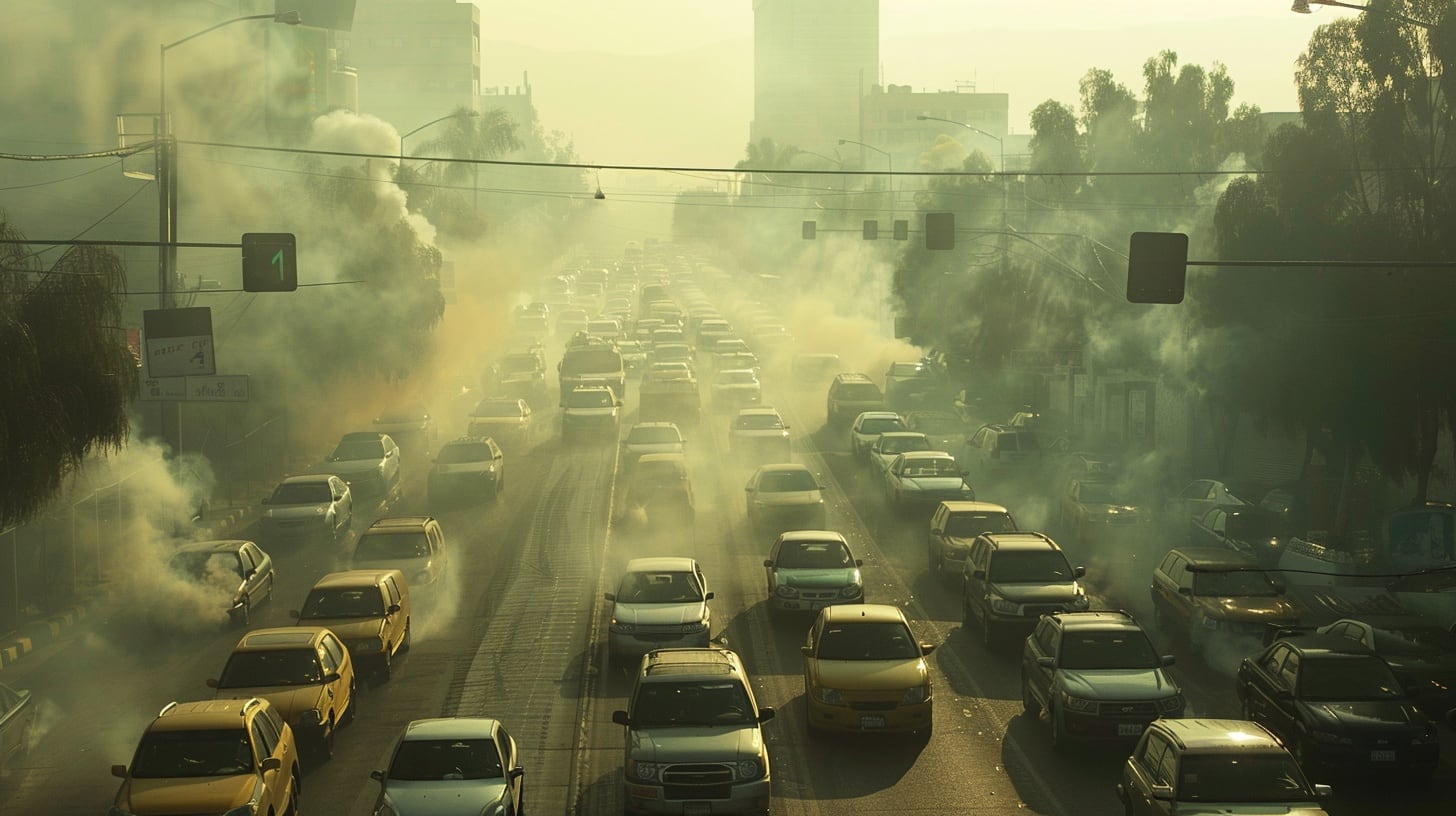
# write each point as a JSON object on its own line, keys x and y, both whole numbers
{"x": 864, "y": 671}
{"x": 368, "y": 609}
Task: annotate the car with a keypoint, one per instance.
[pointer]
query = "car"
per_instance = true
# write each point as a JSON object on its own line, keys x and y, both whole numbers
{"x": 409, "y": 426}
{"x": 531, "y": 322}
{"x": 1339, "y": 708}
{"x": 942, "y": 429}
{"x": 864, "y": 671}
{"x": 238, "y": 572}
{"x": 660, "y": 603}
{"x": 470, "y": 468}
{"x": 520, "y": 375}
{"x": 414, "y": 545}
{"x": 954, "y": 525}
{"x": 452, "y": 766}
{"x": 669, "y": 333}
{"x": 734, "y": 360}
{"x": 867, "y": 427}
{"x": 1097, "y": 677}
{"x": 736, "y": 388}
{"x": 908, "y": 384}
{"x": 212, "y": 756}
{"x": 305, "y": 672}
{"x": 999, "y": 452}
{"x": 808, "y": 570}
{"x": 660, "y": 489}
{"x": 1009, "y": 580}
{"x": 662, "y": 370}
{"x": 634, "y": 354}
{"x": 570, "y": 321}
{"x": 310, "y": 507}
{"x": 368, "y": 609}
{"x": 369, "y": 462}
{"x": 17, "y": 723}
{"x": 851, "y": 394}
{"x": 1234, "y": 766}
{"x": 665, "y": 352}
{"x": 893, "y": 443}
{"x": 758, "y": 435}
{"x": 1197, "y": 498}
{"x": 590, "y": 410}
{"x": 812, "y": 369}
{"x": 1201, "y": 595}
{"x": 507, "y": 420}
{"x": 606, "y": 328}
{"x": 693, "y": 735}
{"x": 650, "y": 437}
{"x": 1092, "y": 510}
{"x": 784, "y": 496}
{"x": 1420, "y": 652}
{"x": 1254, "y": 531}
{"x": 923, "y": 479}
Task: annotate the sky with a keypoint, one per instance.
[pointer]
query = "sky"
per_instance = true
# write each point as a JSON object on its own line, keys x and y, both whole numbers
{"x": 597, "y": 68}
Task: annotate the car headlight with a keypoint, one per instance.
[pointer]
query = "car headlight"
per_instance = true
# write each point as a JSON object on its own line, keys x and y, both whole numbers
{"x": 369, "y": 646}
{"x": 1078, "y": 703}
{"x": 1004, "y": 607}
{"x": 851, "y": 591}
{"x": 1330, "y": 739}
{"x": 622, "y": 628}
{"x": 786, "y": 591}
{"x": 749, "y": 769}
{"x": 829, "y": 696}
{"x": 1428, "y": 736}
{"x": 490, "y": 468}
{"x": 694, "y": 628}
{"x": 915, "y": 694}
{"x": 642, "y": 771}
{"x": 1170, "y": 704}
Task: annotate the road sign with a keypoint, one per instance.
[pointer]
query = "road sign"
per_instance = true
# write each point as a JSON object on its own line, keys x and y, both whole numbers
{"x": 270, "y": 262}
{"x": 179, "y": 342}
{"x": 217, "y": 388}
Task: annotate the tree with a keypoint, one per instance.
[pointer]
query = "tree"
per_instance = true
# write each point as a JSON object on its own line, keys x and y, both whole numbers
{"x": 764, "y": 154}
{"x": 472, "y": 137}
{"x": 66, "y": 366}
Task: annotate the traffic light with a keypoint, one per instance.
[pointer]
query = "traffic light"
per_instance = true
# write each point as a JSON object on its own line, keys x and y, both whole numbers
{"x": 871, "y": 230}
{"x": 940, "y": 230}
{"x": 1157, "y": 267}
{"x": 809, "y": 228}
{"x": 269, "y": 262}
{"x": 902, "y": 230}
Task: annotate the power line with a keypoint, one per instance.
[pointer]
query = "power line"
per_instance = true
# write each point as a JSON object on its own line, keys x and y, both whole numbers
{"x": 121, "y": 152}
{"x": 59, "y": 180}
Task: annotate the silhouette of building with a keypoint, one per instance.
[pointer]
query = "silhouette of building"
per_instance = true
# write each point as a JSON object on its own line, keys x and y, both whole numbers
{"x": 417, "y": 60}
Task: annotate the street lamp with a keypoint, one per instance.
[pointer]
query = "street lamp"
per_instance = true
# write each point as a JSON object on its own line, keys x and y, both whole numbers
{"x": 1001, "y": 147}
{"x": 1303, "y": 7}
{"x": 455, "y": 115}
{"x": 166, "y": 155}
{"x": 889, "y": 161}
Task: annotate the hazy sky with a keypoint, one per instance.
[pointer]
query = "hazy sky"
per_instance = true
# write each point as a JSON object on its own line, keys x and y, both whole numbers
{"x": 702, "y": 59}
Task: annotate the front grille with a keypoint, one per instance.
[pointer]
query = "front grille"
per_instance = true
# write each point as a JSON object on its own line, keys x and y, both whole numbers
{"x": 1037, "y": 610}
{"x": 696, "y": 776}
{"x": 681, "y": 792}
{"x": 1131, "y": 709}
{"x": 873, "y": 705}
{"x": 819, "y": 595}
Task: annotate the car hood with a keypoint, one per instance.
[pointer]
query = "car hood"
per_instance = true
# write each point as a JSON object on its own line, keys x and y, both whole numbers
{"x": 961, "y": 542}
{"x": 352, "y": 467}
{"x": 660, "y": 614}
{"x": 788, "y": 498}
{"x": 1037, "y": 593}
{"x": 871, "y": 675}
{"x": 213, "y": 794}
{"x": 933, "y": 484}
{"x": 291, "y": 701}
{"x": 288, "y": 512}
{"x": 811, "y": 578}
{"x": 1096, "y": 509}
{"x": 1365, "y": 715}
{"x": 1117, "y": 684}
{"x": 443, "y": 797}
{"x": 349, "y": 629}
{"x": 1258, "y": 609}
{"x": 653, "y": 447}
{"x": 1250, "y": 809}
{"x": 695, "y": 743}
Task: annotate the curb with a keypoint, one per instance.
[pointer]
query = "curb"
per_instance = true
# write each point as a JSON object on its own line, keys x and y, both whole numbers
{"x": 33, "y": 635}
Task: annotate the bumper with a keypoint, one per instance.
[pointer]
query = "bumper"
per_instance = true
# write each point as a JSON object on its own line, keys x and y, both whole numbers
{"x": 864, "y": 717}
{"x": 462, "y": 486}
{"x": 778, "y": 604}
{"x": 1110, "y": 728}
{"x": 741, "y": 797}
{"x": 780, "y": 519}
{"x": 1360, "y": 759}
{"x": 636, "y": 645}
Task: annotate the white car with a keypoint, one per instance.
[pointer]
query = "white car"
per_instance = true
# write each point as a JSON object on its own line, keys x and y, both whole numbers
{"x": 892, "y": 444}
{"x": 785, "y": 497}
{"x": 736, "y": 388}
{"x": 660, "y": 603}
{"x": 318, "y": 506}
{"x": 867, "y": 428}
{"x": 759, "y": 434}
{"x": 369, "y": 462}
{"x": 452, "y": 766}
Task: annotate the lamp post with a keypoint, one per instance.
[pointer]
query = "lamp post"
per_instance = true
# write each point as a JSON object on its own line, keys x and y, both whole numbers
{"x": 889, "y": 163}
{"x": 455, "y": 115}
{"x": 1303, "y": 7}
{"x": 166, "y": 153}
{"x": 1001, "y": 148}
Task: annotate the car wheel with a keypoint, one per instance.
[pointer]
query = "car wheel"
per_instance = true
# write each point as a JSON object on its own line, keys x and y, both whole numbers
{"x": 405, "y": 642}
{"x": 1059, "y": 737}
{"x": 932, "y": 557}
{"x": 326, "y": 742}
{"x": 293, "y": 800}
{"x": 353, "y": 708}
{"x": 988, "y": 640}
{"x": 268, "y": 589}
{"x": 1028, "y": 702}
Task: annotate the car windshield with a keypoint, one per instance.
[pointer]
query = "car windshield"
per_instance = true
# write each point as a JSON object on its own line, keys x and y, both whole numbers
{"x": 659, "y": 587}
{"x": 497, "y": 408}
{"x": 343, "y": 603}
{"x": 191, "y": 753}
{"x": 879, "y": 425}
{"x": 1030, "y": 567}
{"x": 1241, "y": 778}
{"x": 207, "y": 566}
{"x": 389, "y": 546}
{"x": 859, "y": 391}
{"x": 1107, "y": 650}
{"x": 970, "y": 525}
{"x": 938, "y": 425}
{"x": 758, "y": 422}
{"x": 431, "y": 760}
{"x": 814, "y": 555}
{"x": 465, "y": 452}
{"x": 868, "y": 641}
{"x": 737, "y": 378}
{"x": 1346, "y": 679}
{"x": 589, "y": 399}
{"x": 355, "y": 450}
{"x": 629, "y": 347}
{"x": 939, "y": 466}
{"x": 691, "y": 704}
{"x": 1234, "y": 584}
{"x": 519, "y": 363}
{"x": 275, "y": 667}
{"x": 1097, "y": 493}
{"x": 902, "y": 444}
{"x": 301, "y": 493}
{"x": 655, "y": 435}
{"x": 787, "y": 481}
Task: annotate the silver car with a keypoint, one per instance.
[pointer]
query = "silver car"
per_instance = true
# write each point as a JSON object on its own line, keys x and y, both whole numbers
{"x": 661, "y": 602}
{"x": 784, "y": 497}
{"x": 369, "y": 462}
{"x": 449, "y": 766}
{"x": 317, "y": 506}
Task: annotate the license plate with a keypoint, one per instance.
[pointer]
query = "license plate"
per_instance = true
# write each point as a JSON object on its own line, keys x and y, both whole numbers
{"x": 697, "y": 808}
{"x": 1382, "y": 756}
{"x": 871, "y": 722}
{"x": 1129, "y": 729}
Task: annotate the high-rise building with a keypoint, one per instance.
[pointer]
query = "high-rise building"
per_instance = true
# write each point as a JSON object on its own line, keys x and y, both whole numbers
{"x": 417, "y": 60}
{"x": 813, "y": 63}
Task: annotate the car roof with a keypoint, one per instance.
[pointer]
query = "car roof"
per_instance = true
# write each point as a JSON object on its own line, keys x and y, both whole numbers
{"x": 449, "y": 728}
{"x": 902, "y": 435}
{"x": 355, "y": 436}
{"x": 910, "y": 456}
{"x": 308, "y": 478}
{"x": 783, "y": 467}
{"x": 876, "y": 415}
{"x": 208, "y": 715}
{"x": 1392, "y": 621}
{"x": 766, "y": 410}
{"x": 661, "y": 563}
{"x": 283, "y": 637}
{"x": 703, "y": 660}
{"x": 467, "y": 440}
{"x": 854, "y": 376}
{"x": 648, "y": 458}
{"x": 354, "y": 578}
{"x": 226, "y": 545}
{"x": 867, "y": 613}
{"x": 1021, "y": 541}
{"x": 1208, "y": 735}
{"x": 812, "y": 535}
{"x": 1333, "y": 645}
{"x": 402, "y": 523}
{"x": 1097, "y": 620}
{"x": 656, "y": 424}
{"x": 973, "y": 507}
{"x": 1215, "y": 557}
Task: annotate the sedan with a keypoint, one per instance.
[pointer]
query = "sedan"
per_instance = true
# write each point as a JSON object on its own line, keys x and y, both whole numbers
{"x": 1091, "y": 509}
{"x": 759, "y": 434}
{"x": 1421, "y": 653}
{"x": 944, "y": 430}
{"x": 808, "y": 570}
{"x": 507, "y": 420}
{"x": 892, "y": 444}
{"x": 925, "y": 479}
{"x": 369, "y": 462}
{"x": 239, "y": 572}
{"x": 784, "y": 497}
{"x": 736, "y": 388}
{"x": 867, "y": 428}
{"x": 452, "y": 765}
{"x": 17, "y": 721}
{"x": 318, "y": 506}
{"x": 1197, "y": 498}
{"x": 660, "y": 603}
{"x": 864, "y": 671}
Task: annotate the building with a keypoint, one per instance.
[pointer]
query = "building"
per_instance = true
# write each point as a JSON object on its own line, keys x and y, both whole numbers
{"x": 417, "y": 60}
{"x": 813, "y": 63}
{"x": 889, "y": 121}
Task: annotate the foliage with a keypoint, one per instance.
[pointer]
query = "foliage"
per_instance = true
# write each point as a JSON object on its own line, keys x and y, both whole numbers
{"x": 436, "y": 189}
{"x": 66, "y": 366}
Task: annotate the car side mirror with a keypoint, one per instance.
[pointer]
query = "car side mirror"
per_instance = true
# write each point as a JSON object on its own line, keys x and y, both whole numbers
{"x": 806, "y": 650}
{"x": 708, "y": 597}
{"x": 250, "y": 572}
{"x": 212, "y": 682}
{"x": 768, "y": 562}
{"x": 859, "y": 562}
{"x": 331, "y": 677}
{"x": 118, "y": 771}
{"x": 1169, "y": 660}
{"x": 1079, "y": 571}
{"x": 377, "y": 776}
{"x": 765, "y": 714}
{"x": 271, "y": 763}
{"x": 518, "y": 772}
{"x": 1322, "y": 790}
{"x": 393, "y": 608}
{"x": 295, "y": 614}
{"x": 611, "y": 596}
{"x": 926, "y": 648}
{"x": 620, "y": 718}
{"x": 748, "y": 489}
{"x": 1047, "y": 662}
{"x": 1162, "y": 791}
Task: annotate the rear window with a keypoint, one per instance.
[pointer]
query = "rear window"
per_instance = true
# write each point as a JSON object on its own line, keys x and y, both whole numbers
{"x": 970, "y": 525}
{"x": 858, "y": 391}
{"x": 465, "y": 452}
{"x": 657, "y": 435}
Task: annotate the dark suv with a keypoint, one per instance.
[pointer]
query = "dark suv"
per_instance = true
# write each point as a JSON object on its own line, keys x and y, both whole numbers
{"x": 851, "y": 395}
{"x": 1097, "y": 677}
{"x": 1011, "y": 579}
